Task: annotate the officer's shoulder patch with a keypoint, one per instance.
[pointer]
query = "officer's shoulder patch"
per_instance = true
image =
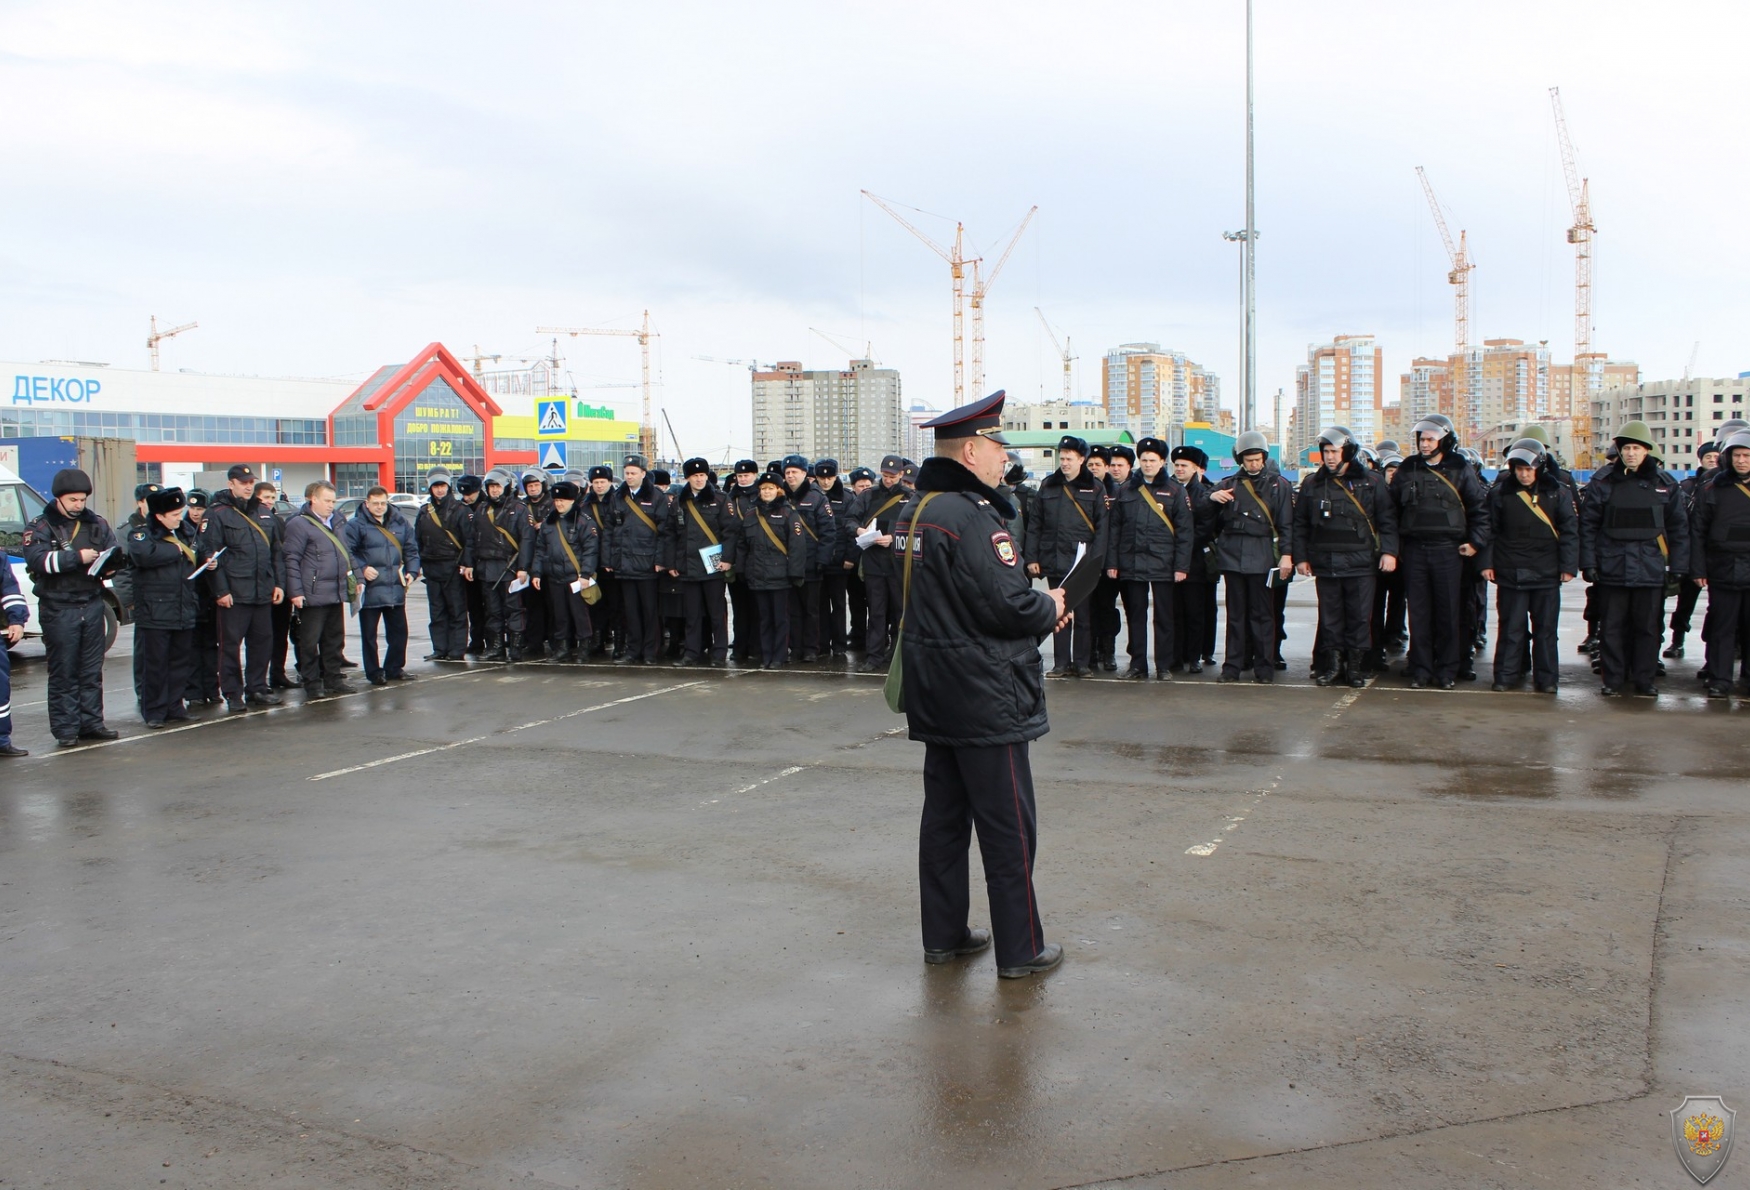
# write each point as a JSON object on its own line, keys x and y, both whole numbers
{"x": 27, "y": 536}
{"x": 1004, "y": 545}
{"x": 796, "y": 528}
{"x": 137, "y": 535}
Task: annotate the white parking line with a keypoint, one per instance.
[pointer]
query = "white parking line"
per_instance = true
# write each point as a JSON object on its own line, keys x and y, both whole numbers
{"x": 600, "y": 706}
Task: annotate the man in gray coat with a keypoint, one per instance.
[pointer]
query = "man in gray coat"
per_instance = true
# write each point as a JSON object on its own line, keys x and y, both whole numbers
{"x": 316, "y": 575}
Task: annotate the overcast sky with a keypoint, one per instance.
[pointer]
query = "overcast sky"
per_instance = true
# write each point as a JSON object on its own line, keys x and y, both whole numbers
{"x": 327, "y": 187}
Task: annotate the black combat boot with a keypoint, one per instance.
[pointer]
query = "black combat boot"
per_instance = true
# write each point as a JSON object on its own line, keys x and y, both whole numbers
{"x": 1357, "y": 668}
{"x": 1326, "y": 668}
{"x": 1676, "y": 649}
{"x": 495, "y": 649}
{"x": 516, "y": 647}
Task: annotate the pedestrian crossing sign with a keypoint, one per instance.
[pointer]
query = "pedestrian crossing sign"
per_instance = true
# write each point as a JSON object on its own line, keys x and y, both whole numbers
{"x": 553, "y": 456}
{"x": 550, "y": 418}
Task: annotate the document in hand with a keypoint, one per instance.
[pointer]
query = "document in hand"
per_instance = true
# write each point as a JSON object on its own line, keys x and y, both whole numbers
{"x": 1083, "y": 577}
{"x": 202, "y": 569}
{"x": 517, "y": 585}
{"x": 709, "y": 555}
{"x": 101, "y": 561}
{"x": 867, "y": 537}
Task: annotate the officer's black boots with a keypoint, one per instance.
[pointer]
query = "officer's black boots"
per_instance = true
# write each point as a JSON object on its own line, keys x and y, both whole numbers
{"x": 495, "y": 649}
{"x": 1357, "y": 668}
{"x": 1676, "y": 649}
{"x": 1326, "y": 668}
{"x": 515, "y": 652}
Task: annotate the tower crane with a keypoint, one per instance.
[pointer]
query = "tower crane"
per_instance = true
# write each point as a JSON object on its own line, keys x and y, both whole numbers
{"x": 646, "y": 427}
{"x": 157, "y": 336}
{"x": 1459, "y": 275}
{"x": 982, "y": 287}
{"x": 850, "y": 353}
{"x": 479, "y": 358}
{"x": 1062, "y": 350}
{"x": 1580, "y": 235}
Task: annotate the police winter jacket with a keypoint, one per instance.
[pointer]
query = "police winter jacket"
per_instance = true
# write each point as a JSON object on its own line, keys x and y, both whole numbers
{"x": 576, "y": 529}
{"x": 1344, "y": 523}
{"x": 504, "y": 540}
{"x": 973, "y": 620}
{"x": 1065, "y": 514}
{"x": 885, "y": 506}
{"x": 163, "y": 561}
{"x": 685, "y": 537}
{"x": 818, "y": 525}
{"x": 1203, "y": 516}
{"x": 1140, "y": 544}
{"x": 1527, "y": 551}
{"x": 316, "y": 568}
{"x": 51, "y": 555}
{"x": 386, "y": 546}
{"x": 760, "y": 562}
{"x": 1719, "y": 547}
{"x": 838, "y": 498}
{"x": 1255, "y": 529}
{"x": 1441, "y": 504}
{"x": 636, "y": 529}
{"x": 254, "y": 562}
{"x": 440, "y": 528}
{"x": 1633, "y": 526}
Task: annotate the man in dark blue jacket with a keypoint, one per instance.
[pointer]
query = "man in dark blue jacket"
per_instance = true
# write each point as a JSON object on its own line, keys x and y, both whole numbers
{"x": 975, "y": 694}
{"x": 1346, "y": 533}
{"x": 1148, "y": 552}
{"x": 1254, "y": 547}
{"x": 1068, "y": 513}
{"x": 249, "y": 580}
{"x": 818, "y": 527}
{"x": 637, "y": 514}
{"x": 1533, "y": 549}
{"x": 166, "y": 605}
{"x": 1441, "y": 522}
{"x": 318, "y": 571}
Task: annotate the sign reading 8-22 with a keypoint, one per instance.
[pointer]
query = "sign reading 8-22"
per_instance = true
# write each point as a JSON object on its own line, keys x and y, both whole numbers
{"x": 440, "y": 428}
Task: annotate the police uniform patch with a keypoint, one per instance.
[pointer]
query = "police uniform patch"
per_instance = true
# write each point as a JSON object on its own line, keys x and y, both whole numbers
{"x": 1004, "y": 546}
{"x": 27, "y": 537}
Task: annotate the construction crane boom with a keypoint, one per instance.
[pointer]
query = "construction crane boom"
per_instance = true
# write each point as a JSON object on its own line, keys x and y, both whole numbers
{"x": 957, "y": 273}
{"x": 646, "y": 427}
{"x": 1062, "y": 350}
{"x": 982, "y": 287}
{"x": 1580, "y": 233}
{"x": 157, "y": 336}
{"x": 1459, "y": 274}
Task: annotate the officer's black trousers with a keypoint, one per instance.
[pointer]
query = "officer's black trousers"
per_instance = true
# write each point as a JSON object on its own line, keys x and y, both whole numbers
{"x": 321, "y": 639}
{"x": 476, "y": 596}
{"x": 535, "y": 618}
{"x": 992, "y": 789}
{"x": 1190, "y": 606}
{"x": 1388, "y": 607}
{"x": 774, "y": 615}
{"x": 203, "y": 667}
{"x": 1104, "y": 604}
{"x": 1527, "y": 616}
{"x": 504, "y": 611}
{"x": 609, "y": 633}
{"x": 1345, "y": 611}
{"x": 447, "y": 601}
{"x": 1629, "y": 634}
{"x": 282, "y": 633}
{"x": 394, "y": 622}
{"x": 707, "y": 619}
{"x": 805, "y": 618}
{"x": 1136, "y": 619}
{"x": 73, "y": 640}
{"x": 5, "y": 696}
{"x": 168, "y": 655}
{"x": 1251, "y": 624}
{"x": 568, "y": 619}
{"x": 857, "y": 601}
{"x": 745, "y": 612}
{"x": 1728, "y": 627}
{"x": 244, "y": 626}
{"x": 1211, "y": 609}
{"x": 1073, "y": 645}
{"x": 885, "y": 596}
{"x": 1433, "y": 574}
{"x": 1687, "y": 595}
{"x": 643, "y": 626}
{"x": 832, "y": 611}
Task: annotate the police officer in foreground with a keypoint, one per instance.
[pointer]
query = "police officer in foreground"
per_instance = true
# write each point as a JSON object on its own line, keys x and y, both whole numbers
{"x": 1634, "y": 531}
{"x": 440, "y": 529}
{"x": 248, "y": 582}
{"x": 877, "y": 509}
{"x": 1534, "y": 547}
{"x": 60, "y": 548}
{"x": 1441, "y": 522}
{"x": 975, "y": 694}
{"x": 1346, "y": 528}
{"x": 1254, "y": 547}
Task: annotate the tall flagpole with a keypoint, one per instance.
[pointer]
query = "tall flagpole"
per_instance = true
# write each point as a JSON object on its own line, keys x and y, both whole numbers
{"x": 1248, "y": 265}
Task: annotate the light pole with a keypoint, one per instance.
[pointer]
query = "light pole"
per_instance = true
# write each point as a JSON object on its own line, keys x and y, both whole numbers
{"x": 1247, "y": 239}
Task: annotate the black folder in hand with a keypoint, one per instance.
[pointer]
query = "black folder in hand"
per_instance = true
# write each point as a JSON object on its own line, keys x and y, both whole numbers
{"x": 1082, "y": 578}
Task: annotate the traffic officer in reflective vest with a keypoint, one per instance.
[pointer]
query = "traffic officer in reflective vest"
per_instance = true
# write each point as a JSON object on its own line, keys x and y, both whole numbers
{"x": 974, "y": 693}
{"x": 60, "y": 548}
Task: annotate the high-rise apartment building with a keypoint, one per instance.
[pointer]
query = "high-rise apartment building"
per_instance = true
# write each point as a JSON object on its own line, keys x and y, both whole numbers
{"x": 1426, "y": 388}
{"x": 1339, "y": 385}
{"x": 851, "y": 415}
{"x": 1564, "y": 383}
{"x": 1509, "y": 382}
{"x": 1680, "y": 413}
{"x": 1154, "y": 392}
{"x": 1068, "y": 417}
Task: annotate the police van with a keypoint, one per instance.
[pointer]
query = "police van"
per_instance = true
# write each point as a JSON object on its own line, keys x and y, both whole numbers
{"x": 19, "y": 506}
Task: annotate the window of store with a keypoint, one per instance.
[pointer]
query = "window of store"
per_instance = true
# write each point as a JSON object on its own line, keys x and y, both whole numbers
{"x": 437, "y": 429}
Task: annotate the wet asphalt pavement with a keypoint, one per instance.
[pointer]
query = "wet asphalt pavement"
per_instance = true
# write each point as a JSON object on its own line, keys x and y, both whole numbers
{"x": 597, "y": 927}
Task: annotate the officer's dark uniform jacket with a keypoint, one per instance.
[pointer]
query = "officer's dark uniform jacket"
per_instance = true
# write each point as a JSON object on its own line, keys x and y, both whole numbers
{"x": 1344, "y": 523}
{"x": 1441, "y": 504}
{"x": 164, "y": 596}
{"x": 1140, "y": 543}
{"x": 576, "y": 529}
{"x": 759, "y": 562}
{"x": 635, "y": 546}
{"x": 1719, "y": 548}
{"x": 1633, "y": 526}
{"x": 1057, "y": 527}
{"x": 885, "y": 506}
{"x": 1527, "y": 551}
{"x": 504, "y": 540}
{"x": 815, "y": 513}
{"x": 254, "y": 562}
{"x": 597, "y": 509}
{"x": 973, "y": 621}
{"x": 838, "y": 498}
{"x": 685, "y": 537}
{"x": 1249, "y": 539}
{"x": 51, "y": 555}
{"x": 1203, "y": 516}
{"x": 440, "y": 529}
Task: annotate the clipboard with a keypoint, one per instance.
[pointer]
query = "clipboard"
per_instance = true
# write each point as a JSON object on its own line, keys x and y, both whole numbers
{"x": 1083, "y": 577}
